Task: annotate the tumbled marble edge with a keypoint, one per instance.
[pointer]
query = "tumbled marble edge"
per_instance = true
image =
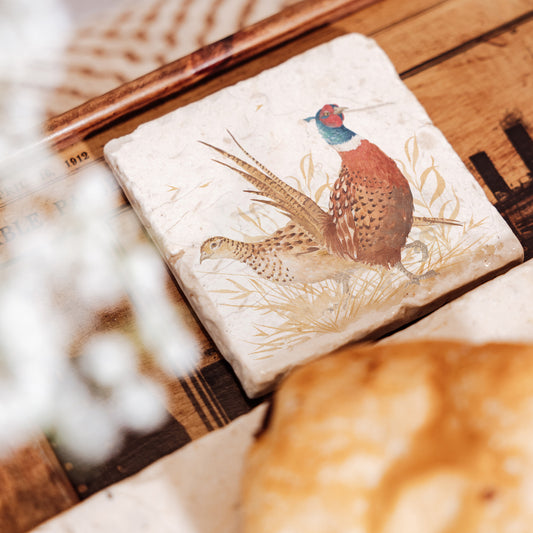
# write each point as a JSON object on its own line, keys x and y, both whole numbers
{"x": 500, "y": 310}
{"x": 259, "y": 379}
{"x": 199, "y": 300}
{"x": 195, "y": 489}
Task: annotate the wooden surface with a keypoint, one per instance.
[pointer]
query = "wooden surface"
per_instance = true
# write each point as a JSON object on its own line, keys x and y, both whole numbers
{"x": 34, "y": 487}
{"x": 469, "y": 62}
{"x": 208, "y": 61}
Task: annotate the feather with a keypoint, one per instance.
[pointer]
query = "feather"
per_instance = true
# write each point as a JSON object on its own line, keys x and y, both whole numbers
{"x": 427, "y": 221}
{"x": 310, "y": 250}
{"x": 299, "y": 207}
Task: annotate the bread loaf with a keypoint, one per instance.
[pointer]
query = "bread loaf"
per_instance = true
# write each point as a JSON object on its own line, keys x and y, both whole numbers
{"x": 423, "y": 437}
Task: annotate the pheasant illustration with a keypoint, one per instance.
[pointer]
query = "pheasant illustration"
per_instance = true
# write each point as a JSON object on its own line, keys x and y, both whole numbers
{"x": 369, "y": 218}
{"x": 290, "y": 255}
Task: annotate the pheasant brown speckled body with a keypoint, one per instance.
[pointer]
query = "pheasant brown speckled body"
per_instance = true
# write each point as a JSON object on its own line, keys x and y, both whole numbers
{"x": 371, "y": 205}
{"x": 371, "y": 208}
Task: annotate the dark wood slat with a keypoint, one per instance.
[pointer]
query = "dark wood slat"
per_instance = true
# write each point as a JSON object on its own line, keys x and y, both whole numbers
{"x": 137, "y": 452}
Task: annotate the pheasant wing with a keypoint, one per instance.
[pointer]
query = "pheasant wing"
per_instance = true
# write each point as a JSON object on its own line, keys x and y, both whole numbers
{"x": 297, "y": 206}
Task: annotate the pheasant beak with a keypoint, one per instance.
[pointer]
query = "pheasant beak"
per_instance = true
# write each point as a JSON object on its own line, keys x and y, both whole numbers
{"x": 203, "y": 255}
{"x": 309, "y": 119}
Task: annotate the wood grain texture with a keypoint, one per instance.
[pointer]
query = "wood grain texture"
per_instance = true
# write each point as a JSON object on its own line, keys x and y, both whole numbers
{"x": 446, "y": 28}
{"x": 471, "y": 95}
{"x": 209, "y": 60}
{"x": 470, "y": 64}
{"x": 383, "y": 15}
{"x": 33, "y": 488}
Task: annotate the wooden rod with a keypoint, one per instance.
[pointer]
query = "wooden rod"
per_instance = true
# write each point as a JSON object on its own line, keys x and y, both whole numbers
{"x": 182, "y": 73}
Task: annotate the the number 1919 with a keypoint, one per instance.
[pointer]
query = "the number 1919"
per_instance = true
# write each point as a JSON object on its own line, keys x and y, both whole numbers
{"x": 73, "y": 161}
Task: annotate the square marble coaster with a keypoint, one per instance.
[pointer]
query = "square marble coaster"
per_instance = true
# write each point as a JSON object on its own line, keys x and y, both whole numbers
{"x": 500, "y": 310}
{"x": 289, "y": 258}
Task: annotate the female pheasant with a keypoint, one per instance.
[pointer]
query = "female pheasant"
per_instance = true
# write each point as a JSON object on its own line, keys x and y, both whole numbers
{"x": 289, "y": 255}
{"x": 369, "y": 218}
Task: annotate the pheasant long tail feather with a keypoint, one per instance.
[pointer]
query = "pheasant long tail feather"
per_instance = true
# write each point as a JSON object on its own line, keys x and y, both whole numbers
{"x": 277, "y": 205}
{"x": 299, "y": 207}
{"x": 426, "y": 221}
{"x": 257, "y": 163}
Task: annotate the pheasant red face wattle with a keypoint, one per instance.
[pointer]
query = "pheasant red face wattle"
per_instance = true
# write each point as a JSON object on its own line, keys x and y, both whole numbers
{"x": 331, "y": 116}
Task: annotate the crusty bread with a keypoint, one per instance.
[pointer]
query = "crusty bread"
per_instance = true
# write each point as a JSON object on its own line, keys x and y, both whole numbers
{"x": 423, "y": 437}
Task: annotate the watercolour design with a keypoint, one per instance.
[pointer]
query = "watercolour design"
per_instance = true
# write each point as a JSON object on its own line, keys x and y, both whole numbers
{"x": 323, "y": 268}
{"x": 273, "y": 279}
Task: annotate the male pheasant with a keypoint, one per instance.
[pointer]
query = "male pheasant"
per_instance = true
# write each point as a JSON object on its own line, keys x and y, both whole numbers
{"x": 369, "y": 218}
{"x": 371, "y": 205}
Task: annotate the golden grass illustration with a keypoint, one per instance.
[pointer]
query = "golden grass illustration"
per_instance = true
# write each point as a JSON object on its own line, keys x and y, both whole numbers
{"x": 305, "y": 310}
{"x": 434, "y": 198}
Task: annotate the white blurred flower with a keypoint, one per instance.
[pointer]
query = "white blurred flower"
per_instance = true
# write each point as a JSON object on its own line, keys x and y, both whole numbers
{"x": 139, "y": 404}
{"x": 56, "y": 372}
{"x": 83, "y": 425}
{"x": 31, "y": 33}
{"x": 161, "y": 329}
{"x": 109, "y": 359}
{"x": 87, "y": 394}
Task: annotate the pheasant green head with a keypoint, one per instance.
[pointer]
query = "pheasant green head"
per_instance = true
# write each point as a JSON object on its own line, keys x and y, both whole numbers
{"x": 330, "y": 123}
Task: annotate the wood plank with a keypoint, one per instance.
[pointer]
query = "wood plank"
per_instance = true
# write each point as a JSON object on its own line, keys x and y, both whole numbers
{"x": 481, "y": 100}
{"x": 472, "y": 95}
{"x": 475, "y": 88}
{"x": 383, "y": 15}
{"x": 138, "y": 451}
{"x": 33, "y": 488}
{"x": 193, "y": 420}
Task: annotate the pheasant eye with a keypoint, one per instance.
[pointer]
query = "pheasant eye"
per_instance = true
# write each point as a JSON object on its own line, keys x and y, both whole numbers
{"x": 213, "y": 244}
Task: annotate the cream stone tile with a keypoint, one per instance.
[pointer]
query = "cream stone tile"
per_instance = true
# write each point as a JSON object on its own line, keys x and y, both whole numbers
{"x": 500, "y": 310}
{"x": 193, "y": 490}
{"x": 308, "y": 263}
